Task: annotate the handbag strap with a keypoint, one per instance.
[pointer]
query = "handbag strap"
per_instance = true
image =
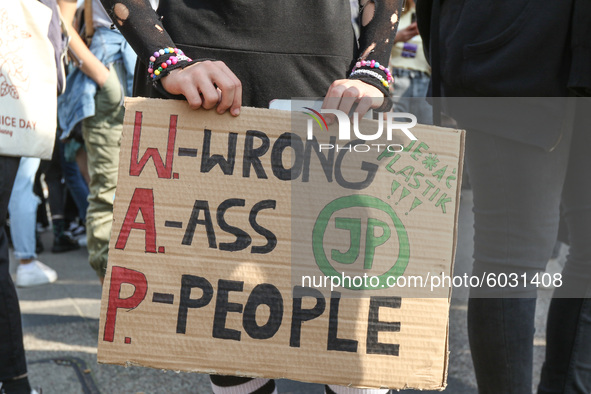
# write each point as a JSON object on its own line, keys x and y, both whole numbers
{"x": 89, "y": 28}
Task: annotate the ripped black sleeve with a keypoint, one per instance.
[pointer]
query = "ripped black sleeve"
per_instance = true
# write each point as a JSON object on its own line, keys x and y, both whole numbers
{"x": 376, "y": 39}
{"x": 142, "y": 28}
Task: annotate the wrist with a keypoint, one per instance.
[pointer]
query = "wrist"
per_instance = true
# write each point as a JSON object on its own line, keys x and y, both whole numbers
{"x": 163, "y": 61}
{"x": 373, "y": 73}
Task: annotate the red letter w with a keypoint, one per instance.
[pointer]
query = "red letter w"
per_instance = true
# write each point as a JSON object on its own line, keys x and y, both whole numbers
{"x": 136, "y": 166}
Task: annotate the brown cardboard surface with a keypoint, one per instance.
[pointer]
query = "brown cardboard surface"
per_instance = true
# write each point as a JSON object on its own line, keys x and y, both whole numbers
{"x": 206, "y": 254}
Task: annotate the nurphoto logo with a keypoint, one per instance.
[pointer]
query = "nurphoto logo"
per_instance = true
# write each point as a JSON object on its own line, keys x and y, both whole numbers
{"x": 344, "y": 122}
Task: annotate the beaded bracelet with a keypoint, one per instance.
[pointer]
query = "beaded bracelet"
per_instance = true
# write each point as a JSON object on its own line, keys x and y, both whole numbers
{"x": 177, "y": 56}
{"x": 372, "y": 74}
{"x": 373, "y": 64}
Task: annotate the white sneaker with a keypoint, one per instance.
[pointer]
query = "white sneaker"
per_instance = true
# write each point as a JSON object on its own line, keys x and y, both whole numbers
{"x": 34, "y": 273}
{"x": 82, "y": 241}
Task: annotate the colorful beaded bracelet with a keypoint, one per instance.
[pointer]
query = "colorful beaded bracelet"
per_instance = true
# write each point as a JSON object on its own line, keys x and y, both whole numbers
{"x": 178, "y": 56}
{"x": 373, "y": 64}
{"x": 372, "y": 74}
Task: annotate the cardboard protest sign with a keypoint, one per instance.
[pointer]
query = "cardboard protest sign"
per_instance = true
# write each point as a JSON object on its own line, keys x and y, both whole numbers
{"x": 225, "y": 228}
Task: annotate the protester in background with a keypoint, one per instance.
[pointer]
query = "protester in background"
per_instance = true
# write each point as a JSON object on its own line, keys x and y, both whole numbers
{"x": 94, "y": 96}
{"x": 410, "y": 68}
{"x": 62, "y": 240}
{"x": 307, "y": 49}
{"x": 13, "y": 365}
{"x": 23, "y": 214}
{"x": 43, "y": 223}
{"x": 521, "y": 167}
{"x": 72, "y": 156}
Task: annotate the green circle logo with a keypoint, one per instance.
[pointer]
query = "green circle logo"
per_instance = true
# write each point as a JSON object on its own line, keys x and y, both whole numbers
{"x": 372, "y": 242}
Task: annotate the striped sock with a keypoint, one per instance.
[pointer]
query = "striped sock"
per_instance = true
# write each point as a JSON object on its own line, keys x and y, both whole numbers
{"x": 236, "y": 385}
{"x": 334, "y": 389}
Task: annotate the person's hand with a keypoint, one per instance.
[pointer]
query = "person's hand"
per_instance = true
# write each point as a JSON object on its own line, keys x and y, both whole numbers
{"x": 206, "y": 84}
{"x": 344, "y": 93}
{"x": 407, "y": 33}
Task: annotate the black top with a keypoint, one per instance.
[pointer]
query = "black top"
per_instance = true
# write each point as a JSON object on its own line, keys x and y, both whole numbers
{"x": 278, "y": 49}
{"x": 517, "y": 48}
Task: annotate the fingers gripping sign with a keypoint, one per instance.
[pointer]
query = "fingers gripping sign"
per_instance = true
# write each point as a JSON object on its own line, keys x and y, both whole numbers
{"x": 343, "y": 94}
{"x": 208, "y": 84}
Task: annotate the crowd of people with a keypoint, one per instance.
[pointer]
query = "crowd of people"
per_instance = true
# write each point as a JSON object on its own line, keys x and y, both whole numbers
{"x": 216, "y": 56}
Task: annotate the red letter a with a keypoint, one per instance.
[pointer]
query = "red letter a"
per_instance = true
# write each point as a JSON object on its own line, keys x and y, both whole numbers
{"x": 142, "y": 200}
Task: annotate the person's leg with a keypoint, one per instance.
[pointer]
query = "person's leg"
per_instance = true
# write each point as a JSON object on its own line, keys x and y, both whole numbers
{"x": 410, "y": 94}
{"x": 418, "y": 101}
{"x": 23, "y": 210}
{"x": 516, "y": 206}
{"x": 401, "y": 90}
{"x": 102, "y": 137}
{"x": 23, "y": 217}
{"x": 501, "y": 333}
{"x": 75, "y": 183}
{"x": 13, "y": 365}
{"x": 567, "y": 368}
{"x": 53, "y": 177}
{"x": 82, "y": 161}
{"x": 42, "y": 217}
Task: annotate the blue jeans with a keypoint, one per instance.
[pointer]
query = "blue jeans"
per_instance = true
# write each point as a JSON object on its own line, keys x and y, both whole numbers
{"x": 75, "y": 183}
{"x": 518, "y": 189}
{"x": 23, "y": 209}
{"x": 410, "y": 92}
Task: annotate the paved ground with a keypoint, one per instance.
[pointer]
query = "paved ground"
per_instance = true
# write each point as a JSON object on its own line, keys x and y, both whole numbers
{"x": 61, "y": 330}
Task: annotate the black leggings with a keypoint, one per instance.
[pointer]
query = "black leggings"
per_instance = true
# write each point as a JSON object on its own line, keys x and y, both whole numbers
{"x": 53, "y": 177}
{"x": 12, "y": 361}
{"x": 517, "y": 193}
